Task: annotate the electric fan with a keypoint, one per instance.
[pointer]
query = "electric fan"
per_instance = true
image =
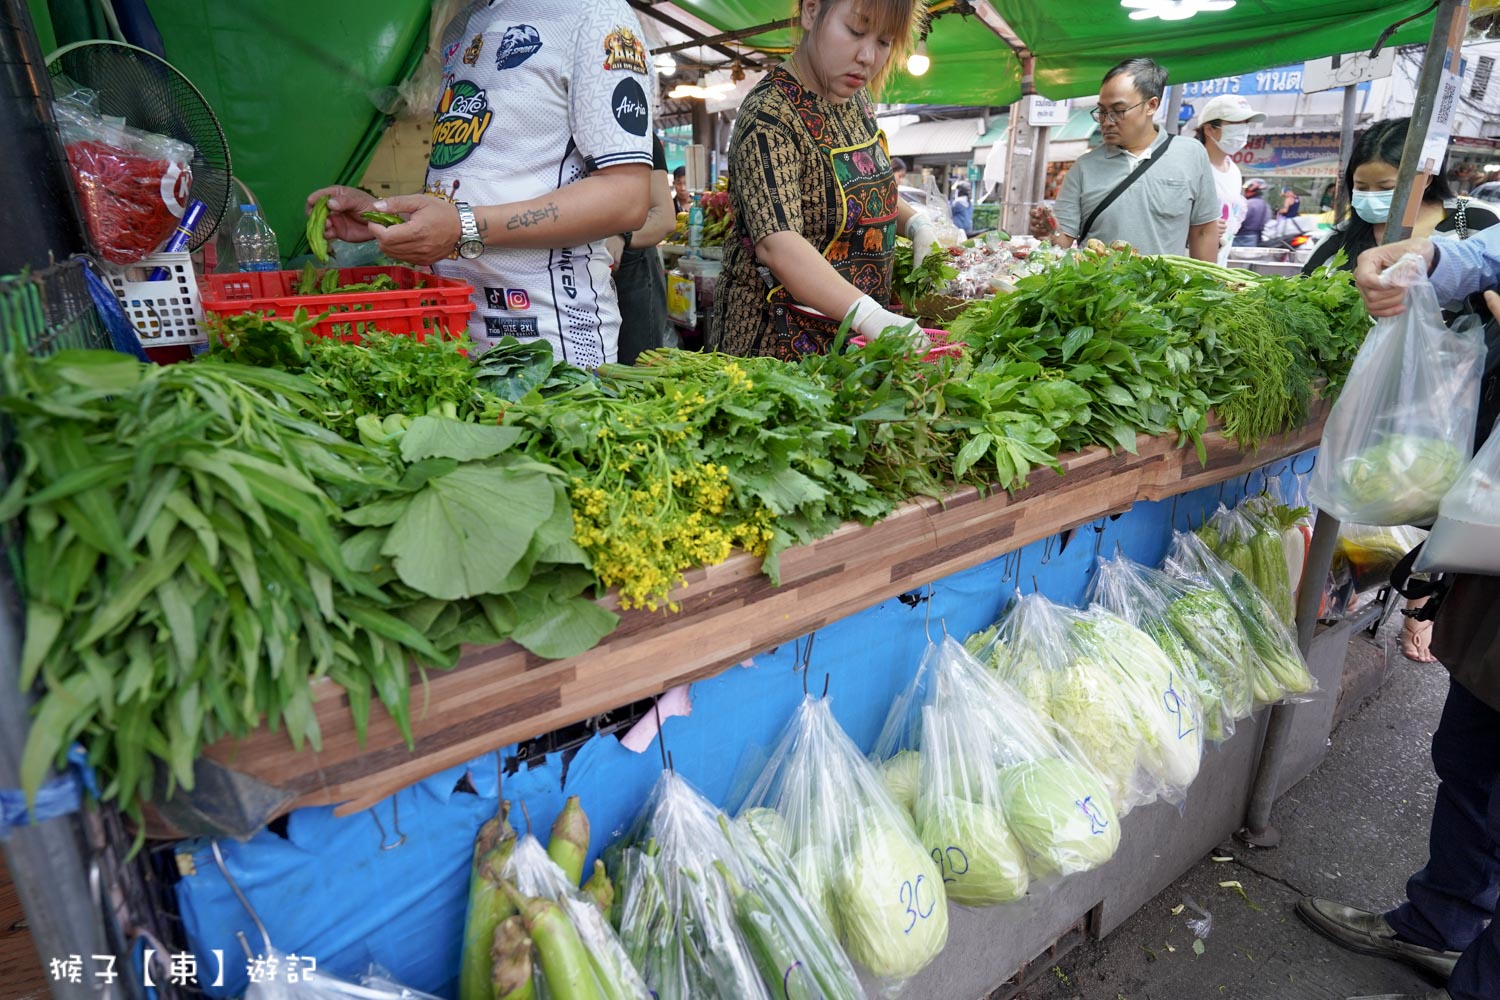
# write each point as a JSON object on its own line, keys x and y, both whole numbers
{"x": 151, "y": 94}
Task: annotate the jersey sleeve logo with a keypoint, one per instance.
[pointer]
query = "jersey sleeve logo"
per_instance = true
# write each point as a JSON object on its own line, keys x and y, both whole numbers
{"x": 518, "y": 44}
{"x": 471, "y": 54}
{"x": 463, "y": 116}
{"x": 629, "y": 107}
{"x": 623, "y": 50}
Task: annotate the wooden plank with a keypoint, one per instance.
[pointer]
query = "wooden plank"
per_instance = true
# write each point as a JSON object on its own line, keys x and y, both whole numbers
{"x": 499, "y": 695}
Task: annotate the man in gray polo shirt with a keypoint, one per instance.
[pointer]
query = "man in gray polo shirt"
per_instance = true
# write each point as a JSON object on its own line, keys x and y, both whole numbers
{"x": 1171, "y": 208}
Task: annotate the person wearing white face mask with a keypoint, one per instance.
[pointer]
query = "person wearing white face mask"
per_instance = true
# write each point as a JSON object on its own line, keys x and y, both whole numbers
{"x": 1224, "y": 130}
{"x": 1371, "y": 181}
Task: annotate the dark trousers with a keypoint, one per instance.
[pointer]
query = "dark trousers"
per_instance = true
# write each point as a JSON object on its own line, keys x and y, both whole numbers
{"x": 642, "y": 283}
{"x": 1450, "y": 902}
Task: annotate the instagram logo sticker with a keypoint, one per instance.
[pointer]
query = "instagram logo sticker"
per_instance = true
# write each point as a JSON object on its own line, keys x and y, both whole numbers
{"x": 517, "y": 299}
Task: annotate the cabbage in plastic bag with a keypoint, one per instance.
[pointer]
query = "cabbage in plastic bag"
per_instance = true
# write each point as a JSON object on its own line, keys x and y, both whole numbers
{"x": 1466, "y": 537}
{"x": 1402, "y": 430}
{"x": 1145, "y": 597}
{"x": 848, "y": 839}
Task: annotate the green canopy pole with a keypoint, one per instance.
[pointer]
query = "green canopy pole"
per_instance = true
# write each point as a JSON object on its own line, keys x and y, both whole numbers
{"x": 1440, "y": 61}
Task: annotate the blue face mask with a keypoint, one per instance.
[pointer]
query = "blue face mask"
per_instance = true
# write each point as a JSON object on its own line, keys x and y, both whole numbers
{"x": 1373, "y": 206}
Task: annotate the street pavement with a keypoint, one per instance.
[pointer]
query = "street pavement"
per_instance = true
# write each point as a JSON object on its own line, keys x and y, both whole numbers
{"x": 1353, "y": 831}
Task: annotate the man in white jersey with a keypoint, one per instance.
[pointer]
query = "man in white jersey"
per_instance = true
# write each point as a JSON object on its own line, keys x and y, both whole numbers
{"x": 541, "y": 149}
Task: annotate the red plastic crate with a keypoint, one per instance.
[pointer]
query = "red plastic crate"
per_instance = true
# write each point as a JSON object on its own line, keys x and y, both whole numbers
{"x": 422, "y": 304}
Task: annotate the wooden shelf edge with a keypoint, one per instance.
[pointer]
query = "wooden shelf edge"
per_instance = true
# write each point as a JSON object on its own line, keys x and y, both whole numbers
{"x": 503, "y": 694}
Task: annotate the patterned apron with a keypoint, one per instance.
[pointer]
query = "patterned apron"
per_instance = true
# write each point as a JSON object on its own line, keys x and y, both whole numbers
{"x": 861, "y": 250}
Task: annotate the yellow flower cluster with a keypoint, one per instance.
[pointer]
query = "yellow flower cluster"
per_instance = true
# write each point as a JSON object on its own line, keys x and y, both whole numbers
{"x": 653, "y": 519}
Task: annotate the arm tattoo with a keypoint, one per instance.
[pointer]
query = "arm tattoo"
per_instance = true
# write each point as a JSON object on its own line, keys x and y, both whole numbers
{"x": 527, "y": 219}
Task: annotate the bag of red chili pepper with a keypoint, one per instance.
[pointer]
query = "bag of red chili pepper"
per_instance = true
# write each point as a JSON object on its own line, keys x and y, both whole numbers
{"x": 132, "y": 185}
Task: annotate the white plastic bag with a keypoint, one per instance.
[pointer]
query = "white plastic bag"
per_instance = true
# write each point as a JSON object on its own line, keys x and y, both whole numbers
{"x": 1402, "y": 430}
{"x": 1466, "y": 537}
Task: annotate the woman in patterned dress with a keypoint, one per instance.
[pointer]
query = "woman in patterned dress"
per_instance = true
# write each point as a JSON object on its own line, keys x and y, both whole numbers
{"x": 816, "y": 210}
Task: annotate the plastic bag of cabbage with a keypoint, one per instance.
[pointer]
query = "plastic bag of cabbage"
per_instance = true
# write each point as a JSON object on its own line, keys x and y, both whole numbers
{"x": 1174, "y": 614}
{"x": 853, "y": 849}
{"x": 998, "y": 798}
{"x": 1108, "y": 686}
{"x": 710, "y": 909}
{"x": 1277, "y": 670}
{"x": 1403, "y": 428}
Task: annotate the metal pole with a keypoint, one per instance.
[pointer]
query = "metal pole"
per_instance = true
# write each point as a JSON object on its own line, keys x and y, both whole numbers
{"x": 1346, "y": 149}
{"x": 1443, "y": 51}
{"x": 1174, "y": 109}
{"x": 1258, "y": 831}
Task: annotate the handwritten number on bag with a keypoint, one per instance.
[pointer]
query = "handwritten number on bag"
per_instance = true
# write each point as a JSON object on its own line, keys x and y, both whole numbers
{"x": 786, "y": 979}
{"x": 911, "y": 898}
{"x": 951, "y": 860}
{"x": 1097, "y": 824}
{"x": 1173, "y": 701}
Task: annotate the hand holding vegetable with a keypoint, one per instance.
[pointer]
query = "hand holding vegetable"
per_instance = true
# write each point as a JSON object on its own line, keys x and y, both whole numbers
{"x": 429, "y": 234}
{"x": 344, "y": 207}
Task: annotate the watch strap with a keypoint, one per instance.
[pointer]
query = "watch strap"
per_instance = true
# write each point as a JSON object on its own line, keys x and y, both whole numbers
{"x": 467, "y": 223}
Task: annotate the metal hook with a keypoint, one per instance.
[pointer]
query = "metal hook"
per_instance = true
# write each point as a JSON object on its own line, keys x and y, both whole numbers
{"x": 235, "y": 887}
{"x": 1098, "y": 538}
{"x": 1035, "y": 587}
{"x": 927, "y": 625}
{"x": 1311, "y": 461}
{"x": 1047, "y": 549}
{"x": 1010, "y": 566}
{"x": 395, "y": 824}
{"x": 1173, "y": 520}
{"x": 526, "y": 813}
{"x": 661, "y": 745}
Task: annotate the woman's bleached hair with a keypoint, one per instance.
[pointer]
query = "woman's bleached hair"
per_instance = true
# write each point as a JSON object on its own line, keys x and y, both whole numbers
{"x": 901, "y": 19}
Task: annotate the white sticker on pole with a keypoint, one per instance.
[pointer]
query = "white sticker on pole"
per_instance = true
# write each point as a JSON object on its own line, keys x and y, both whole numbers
{"x": 1440, "y": 129}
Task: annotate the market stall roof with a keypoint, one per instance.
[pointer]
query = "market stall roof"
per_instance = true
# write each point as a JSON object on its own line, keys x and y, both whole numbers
{"x": 955, "y": 137}
{"x": 1076, "y": 41}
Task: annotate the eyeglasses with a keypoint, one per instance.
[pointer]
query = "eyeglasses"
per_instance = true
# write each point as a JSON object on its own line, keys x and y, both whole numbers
{"x": 1099, "y": 114}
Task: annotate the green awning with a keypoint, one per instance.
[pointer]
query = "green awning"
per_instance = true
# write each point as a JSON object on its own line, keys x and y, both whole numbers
{"x": 1081, "y": 125}
{"x": 1076, "y": 41}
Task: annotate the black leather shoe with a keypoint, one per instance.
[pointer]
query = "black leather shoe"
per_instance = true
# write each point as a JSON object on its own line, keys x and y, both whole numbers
{"x": 1439, "y": 995}
{"x": 1369, "y": 934}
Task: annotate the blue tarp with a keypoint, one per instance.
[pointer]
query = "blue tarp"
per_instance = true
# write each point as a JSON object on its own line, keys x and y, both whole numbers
{"x": 328, "y": 891}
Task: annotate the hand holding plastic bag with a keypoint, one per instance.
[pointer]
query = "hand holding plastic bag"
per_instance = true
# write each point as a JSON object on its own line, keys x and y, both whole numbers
{"x": 1402, "y": 430}
{"x": 853, "y": 847}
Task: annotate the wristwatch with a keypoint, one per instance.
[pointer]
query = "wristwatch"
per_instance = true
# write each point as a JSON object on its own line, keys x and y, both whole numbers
{"x": 469, "y": 243}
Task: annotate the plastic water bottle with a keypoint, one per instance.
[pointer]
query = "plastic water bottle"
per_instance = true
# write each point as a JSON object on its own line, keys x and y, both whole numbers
{"x": 254, "y": 242}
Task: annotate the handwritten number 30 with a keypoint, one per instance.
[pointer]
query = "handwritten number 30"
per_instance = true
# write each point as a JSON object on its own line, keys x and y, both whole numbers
{"x": 911, "y": 898}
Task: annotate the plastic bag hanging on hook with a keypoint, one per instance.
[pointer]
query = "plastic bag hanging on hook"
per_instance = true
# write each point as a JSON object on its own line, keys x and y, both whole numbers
{"x": 1277, "y": 669}
{"x": 853, "y": 848}
{"x": 1050, "y": 655}
{"x": 1249, "y": 539}
{"x": 1164, "y": 609}
{"x": 1000, "y": 798}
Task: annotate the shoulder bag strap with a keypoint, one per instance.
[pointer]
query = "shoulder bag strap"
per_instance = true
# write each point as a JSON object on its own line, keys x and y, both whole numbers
{"x": 1135, "y": 175}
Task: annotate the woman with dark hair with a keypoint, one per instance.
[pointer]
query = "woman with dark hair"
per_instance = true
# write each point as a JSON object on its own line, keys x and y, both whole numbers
{"x": 1371, "y": 181}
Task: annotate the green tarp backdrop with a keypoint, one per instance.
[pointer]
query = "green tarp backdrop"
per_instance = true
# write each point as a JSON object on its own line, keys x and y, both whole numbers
{"x": 294, "y": 82}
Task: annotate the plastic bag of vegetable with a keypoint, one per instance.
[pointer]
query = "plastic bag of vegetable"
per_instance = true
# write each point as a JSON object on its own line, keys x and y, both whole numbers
{"x": 676, "y": 914}
{"x": 1363, "y": 558}
{"x": 1277, "y": 670}
{"x": 1145, "y": 597}
{"x": 574, "y": 952}
{"x": 1249, "y": 539}
{"x": 1402, "y": 430}
{"x": 1036, "y": 651}
{"x": 853, "y": 847}
{"x": 1163, "y": 700}
{"x": 1466, "y": 537}
{"x": 994, "y": 774}
{"x": 315, "y": 984}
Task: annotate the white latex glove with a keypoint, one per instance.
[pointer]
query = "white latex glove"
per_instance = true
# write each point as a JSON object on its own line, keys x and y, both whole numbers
{"x": 871, "y": 321}
{"x": 922, "y": 232}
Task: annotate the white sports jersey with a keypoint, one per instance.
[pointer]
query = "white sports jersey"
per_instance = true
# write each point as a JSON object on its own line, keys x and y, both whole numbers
{"x": 537, "y": 94}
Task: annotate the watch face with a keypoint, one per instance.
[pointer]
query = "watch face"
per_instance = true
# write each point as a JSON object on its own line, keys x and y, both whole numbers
{"x": 469, "y": 249}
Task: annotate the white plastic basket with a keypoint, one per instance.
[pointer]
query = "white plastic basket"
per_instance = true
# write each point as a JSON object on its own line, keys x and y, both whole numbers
{"x": 164, "y": 313}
